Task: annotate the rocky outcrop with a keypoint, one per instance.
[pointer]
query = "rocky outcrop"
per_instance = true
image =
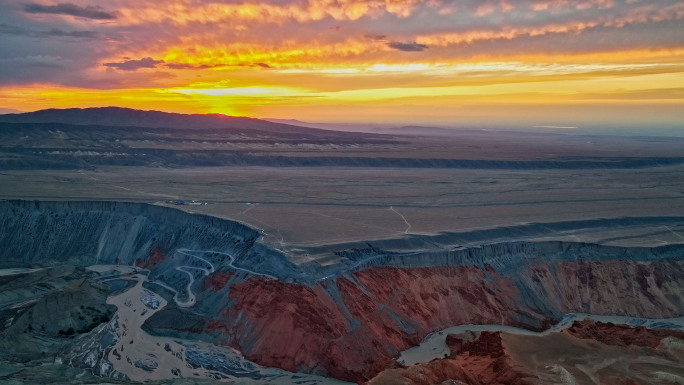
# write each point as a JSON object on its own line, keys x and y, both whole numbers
{"x": 579, "y": 354}
{"x": 90, "y": 351}
{"x": 620, "y": 335}
{"x": 73, "y": 302}
{"x": 483, "y": 361}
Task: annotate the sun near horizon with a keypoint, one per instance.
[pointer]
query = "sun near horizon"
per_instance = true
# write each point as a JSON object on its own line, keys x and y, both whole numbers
{"x": 535, "y": 62}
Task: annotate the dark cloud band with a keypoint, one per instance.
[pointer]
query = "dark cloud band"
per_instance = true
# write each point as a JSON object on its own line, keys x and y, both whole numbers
{"x": 7, "y": 29}
{"x": 69, "y": 9}
{"x": 133, "y": 65}
{"x": 407, "y": 47}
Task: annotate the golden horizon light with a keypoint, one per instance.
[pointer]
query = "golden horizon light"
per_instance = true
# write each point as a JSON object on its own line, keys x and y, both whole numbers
{"x": 530, "y": 62}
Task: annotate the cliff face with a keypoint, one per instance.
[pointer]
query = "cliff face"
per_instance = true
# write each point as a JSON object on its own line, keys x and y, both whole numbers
{"x": 86, "y": 233}
{"x": 348, "y": 320}
{"x": 106, "y": 232}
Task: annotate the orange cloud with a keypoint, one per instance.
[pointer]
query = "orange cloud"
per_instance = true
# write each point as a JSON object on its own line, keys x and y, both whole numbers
{"x": 640, "y": 15}
{"x": 311, "y": 10}
{"x": 306, "y": 58}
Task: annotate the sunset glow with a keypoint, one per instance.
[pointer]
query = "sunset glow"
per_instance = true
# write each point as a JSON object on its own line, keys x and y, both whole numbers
{"x": 536, "y": 62}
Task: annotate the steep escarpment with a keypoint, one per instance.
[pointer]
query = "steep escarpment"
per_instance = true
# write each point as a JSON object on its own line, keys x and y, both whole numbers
{"x": 86, "y": 233}
{"x": 505, "y": 246}
{"x": 348, "y": 320}
{"x": 105, "y": 232}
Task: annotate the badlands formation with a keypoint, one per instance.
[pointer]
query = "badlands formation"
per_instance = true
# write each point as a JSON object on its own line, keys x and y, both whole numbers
{"x": 156, "y": 293}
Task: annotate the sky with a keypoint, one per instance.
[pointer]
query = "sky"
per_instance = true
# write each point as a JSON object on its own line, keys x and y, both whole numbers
{"x": 555, "y": 63}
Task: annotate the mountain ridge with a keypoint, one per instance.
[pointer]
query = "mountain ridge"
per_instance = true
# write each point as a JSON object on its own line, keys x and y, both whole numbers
{"x": 129, "y": 117}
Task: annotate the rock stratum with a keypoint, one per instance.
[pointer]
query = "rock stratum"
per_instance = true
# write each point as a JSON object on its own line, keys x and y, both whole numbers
{"x": 350, "y": 318}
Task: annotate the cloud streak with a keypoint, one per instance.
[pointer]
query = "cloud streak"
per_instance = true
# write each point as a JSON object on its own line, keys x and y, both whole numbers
{"x": 134, "y": 65}
{"x": 407, "y": 47}
{"x": 8, "y": 29}
{"x": 69, "y": 9}
{"x": 572, "y": 27}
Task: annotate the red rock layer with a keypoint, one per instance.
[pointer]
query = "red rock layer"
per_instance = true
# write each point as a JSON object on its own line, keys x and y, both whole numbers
{"x": 609, "y": 286}
{"x": 154, "y": 257}
{"x": 351, "y": 328}
{"x": 480, "y": 362}
{"x": 302, "y": 328}
{"x": 433, "y": 298}
{"x": 284, "y": 325}
{"x": 620, "y": 335}
{"x": 216, "y": 281}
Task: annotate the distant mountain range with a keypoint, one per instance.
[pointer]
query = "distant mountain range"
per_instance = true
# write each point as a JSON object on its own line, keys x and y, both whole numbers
{"x": 127, "y": 117}
{"x": 416, "y": 131}
{"x": 9, "y": 111}
{"x": 349, "y": 127}
{"x": 411, "y": 130}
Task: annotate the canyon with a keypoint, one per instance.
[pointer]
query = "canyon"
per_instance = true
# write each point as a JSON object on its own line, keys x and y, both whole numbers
{"x": 348, "y": 316}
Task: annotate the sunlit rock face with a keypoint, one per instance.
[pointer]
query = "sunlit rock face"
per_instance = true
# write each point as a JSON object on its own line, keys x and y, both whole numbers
{"x": 348, "y": 320}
